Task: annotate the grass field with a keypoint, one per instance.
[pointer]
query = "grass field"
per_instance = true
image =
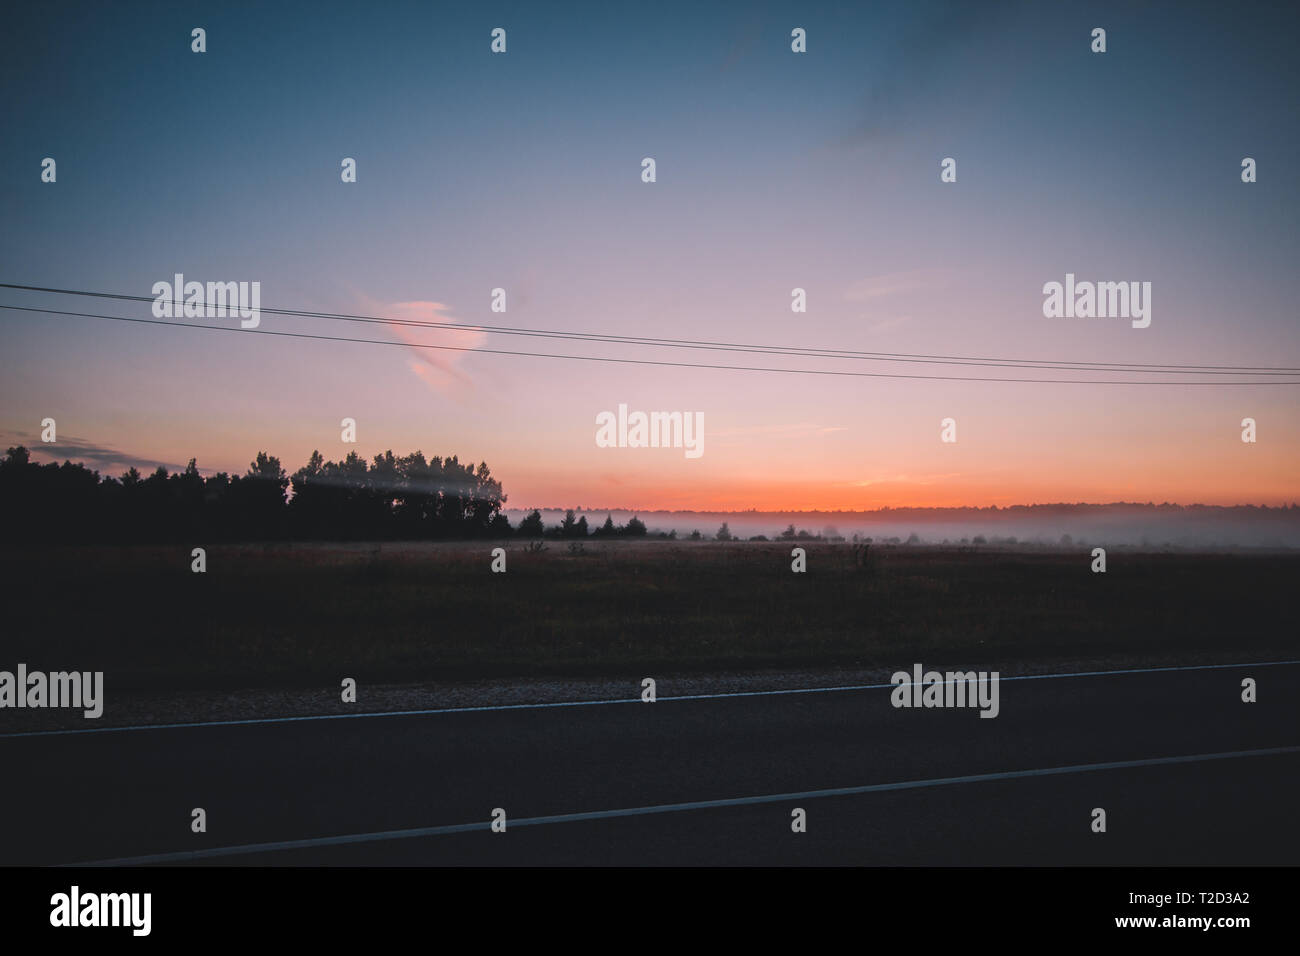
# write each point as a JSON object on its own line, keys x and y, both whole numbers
{"x": 294, "y": 615}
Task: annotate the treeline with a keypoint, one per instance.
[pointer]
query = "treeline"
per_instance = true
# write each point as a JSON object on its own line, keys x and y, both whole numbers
{"x": 388, "y": 498}
{"x": 391, "y": 497}
{"x": 576, "y": 527}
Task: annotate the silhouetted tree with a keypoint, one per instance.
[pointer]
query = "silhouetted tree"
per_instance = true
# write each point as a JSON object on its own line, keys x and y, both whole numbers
{"x": 259, "y": 498}
{"x": 531, "y": 526}
{"x": 403, "y": 497}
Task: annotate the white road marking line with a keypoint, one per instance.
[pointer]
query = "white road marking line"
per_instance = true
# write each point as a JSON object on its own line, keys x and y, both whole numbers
{"x": 247, "y": 848}
{"x": 594, "y": 703}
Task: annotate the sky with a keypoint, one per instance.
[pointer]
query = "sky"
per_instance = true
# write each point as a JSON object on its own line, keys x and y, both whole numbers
{"x": 774, "y": 170}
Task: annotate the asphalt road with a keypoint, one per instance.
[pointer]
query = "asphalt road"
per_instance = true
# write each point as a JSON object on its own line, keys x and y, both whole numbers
{"x": 335, "y": 784}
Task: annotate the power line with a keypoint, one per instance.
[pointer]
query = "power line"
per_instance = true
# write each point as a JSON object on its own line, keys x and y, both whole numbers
{"x": 695, "y": 344}
{"x": 630, "y": 361}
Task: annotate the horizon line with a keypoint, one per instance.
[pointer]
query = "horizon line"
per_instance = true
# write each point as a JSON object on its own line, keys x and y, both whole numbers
{"x": 207, "y": 473}
{"x": 814, "y": 511}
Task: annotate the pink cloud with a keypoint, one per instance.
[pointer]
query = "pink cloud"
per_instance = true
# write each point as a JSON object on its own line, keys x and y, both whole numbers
{"x": 438, "y": 368}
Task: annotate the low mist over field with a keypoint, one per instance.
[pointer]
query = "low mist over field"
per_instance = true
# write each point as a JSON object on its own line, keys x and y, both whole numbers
{"x": 1121, "y": 524}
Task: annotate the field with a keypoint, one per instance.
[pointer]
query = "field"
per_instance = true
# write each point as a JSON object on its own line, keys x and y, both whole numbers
{"x": 298, "y": 615}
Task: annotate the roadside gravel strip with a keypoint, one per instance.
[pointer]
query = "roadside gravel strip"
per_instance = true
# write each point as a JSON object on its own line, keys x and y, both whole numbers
{"x": 135, "y": 708}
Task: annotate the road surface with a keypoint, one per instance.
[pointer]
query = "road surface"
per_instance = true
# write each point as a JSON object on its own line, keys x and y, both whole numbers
{"x": 1186, "y": 772}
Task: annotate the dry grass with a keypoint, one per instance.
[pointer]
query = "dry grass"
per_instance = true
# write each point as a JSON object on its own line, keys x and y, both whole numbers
{"x": 284, "y": 615}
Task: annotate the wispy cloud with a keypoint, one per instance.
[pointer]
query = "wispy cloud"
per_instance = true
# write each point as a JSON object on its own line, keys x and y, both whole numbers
{"x": 934, "y": 36}
{"x": 437, "y": 368}
{"x": 898, "y": 283}
{"x": 101, "y": 458}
